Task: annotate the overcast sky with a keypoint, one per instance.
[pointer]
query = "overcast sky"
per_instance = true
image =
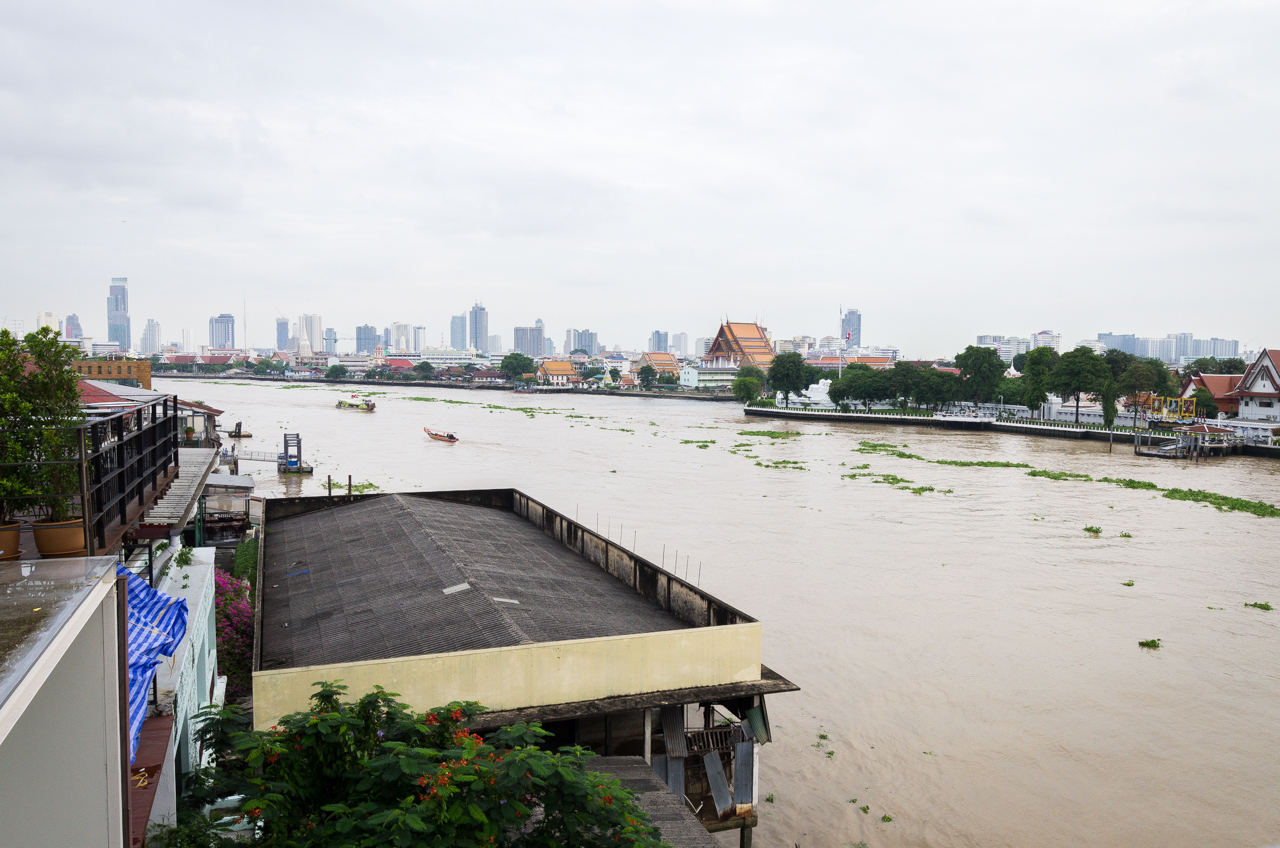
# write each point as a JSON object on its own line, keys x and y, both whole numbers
{"x": 948, "y": 168}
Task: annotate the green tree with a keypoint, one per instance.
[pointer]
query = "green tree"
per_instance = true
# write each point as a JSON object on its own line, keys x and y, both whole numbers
{"x": 1019, "y": 362}
{"x": 516, "y": 364}
{"x": 579, "y": 350}
{"x": 667, "y": 380}
{"x": 615, "y": 375}
{"x": 425, "y": 369}
{"x": 754, "y": 373}
{"x": 981, "y": 369}
{"x": 905, "y": 380}
{"x": 374, "y": 772}
{"x": 1040, "y": 363}
{"x": 1213, "y": 365}
{"x": 1206, "y": 406}
{"x": 1079, "y": 372}
{"x": 336, "y": 372}
{"x": 863, "y": 385}
{"x": 787, "y": 375}
{"x": 1107, "y": 394}
{"x": 1118, "y": 361}
{"x": 1011, "y": 390}
{"x": 647, "y": 375}
{"x": 746, "y": 390}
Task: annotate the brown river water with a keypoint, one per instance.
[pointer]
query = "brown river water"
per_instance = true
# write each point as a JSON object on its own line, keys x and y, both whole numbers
{"x": 971, "y": 656}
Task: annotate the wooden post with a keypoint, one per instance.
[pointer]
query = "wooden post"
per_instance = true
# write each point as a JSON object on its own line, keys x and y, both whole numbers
{"x": 648, "y": 735}
{"x": 330, "y": 485}
{"x": 348, "y": 485}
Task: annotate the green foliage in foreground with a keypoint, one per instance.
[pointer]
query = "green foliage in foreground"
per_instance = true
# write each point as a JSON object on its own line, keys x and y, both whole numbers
{"x": 373, "y": 772}
{"x": 1129, "y": 483}
{"x": 1224, "y": 503}
{"x": 1058, "y": 475}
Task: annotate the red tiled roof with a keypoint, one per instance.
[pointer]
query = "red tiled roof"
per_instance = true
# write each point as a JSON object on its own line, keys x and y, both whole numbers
{"x": 400, "y": 363}
{"x": 191, "y": 404}
{"x": 92, "y": 393}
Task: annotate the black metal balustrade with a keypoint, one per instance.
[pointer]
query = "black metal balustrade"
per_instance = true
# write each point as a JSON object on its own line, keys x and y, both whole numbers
{"x": 116, "y": 467}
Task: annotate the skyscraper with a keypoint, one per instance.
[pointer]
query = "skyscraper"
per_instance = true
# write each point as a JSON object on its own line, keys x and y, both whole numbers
{"x": 330, "y": 340}
{"x": 495, "y": 344}
{"x": 282, "y": 334}
{"x": 479, "y": 328}
{"x": 851, "y": 328}
{"x": 419, "y": 339}
{"x": 366, "y": 339}
{"x": 658, "y": 342}
{"x": 1047, "y": 338}
{"x": 458, "y": 332}
{"x": 73, "y": 330}
{"x": 680, "y": 343}
{"x": 150, "y": 342}
{"x": 47, "y": 319}
{"x": 118, "y": 328}
{"x": 222, "y": 331}
{"x": 529, "y": 340}
{"x": 401, "y": 338}
{"x": 311, "y": 329}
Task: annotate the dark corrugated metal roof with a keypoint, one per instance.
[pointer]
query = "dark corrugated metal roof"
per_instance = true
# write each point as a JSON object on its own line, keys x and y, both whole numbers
{"x": 366, "y": 581}
{"x": 667, "y": 811}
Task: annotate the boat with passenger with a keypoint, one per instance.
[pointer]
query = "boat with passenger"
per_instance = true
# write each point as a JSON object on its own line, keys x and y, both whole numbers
{"x": 440, "y": 437}
{"x": 357, "y": 403}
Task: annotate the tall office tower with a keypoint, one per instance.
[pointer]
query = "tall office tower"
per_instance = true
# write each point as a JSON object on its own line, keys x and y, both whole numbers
{"x": 401, "y": 337}
{"x": 1181, "y": 345}
{"x": 548, "y": 347}
{"x": 494, "y": 345}
{"x": 150, "y": 342}
{"x": 1127, "y": 343}
{"x": 366, "y": 339}
{"x": 851, "y": 328}
{"x": 311, "y": 328}
{"x": 1047, "y": 338}
{"x": 282, "y": 334}
{"x": 658, "y": 342}
{"x": 330, "y": 341}
{"x": 73, "y": 330}
{"x": 118, "y": 328}
{"x": 419, "y": 339}
{"x": 222, "y": 331}
{"x": 528, "y": 340}
{"x": 458, "y": 332}
{"x": 479, "y": 337}
{"x": 680, "y": 343}
{"x": 186, "y": 342}
{"x": 386, "y": 341}
{"x": 702, "y": 345}
{"x": 47, "y": 319}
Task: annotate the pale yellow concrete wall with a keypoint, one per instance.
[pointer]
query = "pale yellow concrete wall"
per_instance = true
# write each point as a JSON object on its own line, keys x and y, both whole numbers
{"x": 531, "y": 675}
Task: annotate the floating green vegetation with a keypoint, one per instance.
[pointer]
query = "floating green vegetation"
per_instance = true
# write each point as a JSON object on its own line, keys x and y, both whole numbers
{"x": 886, "y": 818}
{"x": 861, "y": 467}
{"x": 947, "y": 492}
{"x": 768, "y": 799}
{"x": 886, "y": 449}
{"x": 1262, "y": 606}
{"x": 1127, "y": 583}
{"x": 300, "y": 386}
{"x": 1224, "y": 503}
{"x": 1093, "y": 530}
{"x": 783, "y": 463}
{"x": 866, "y": 808}
{"x": 875, "y": 446}
{"x": 366, "y": 486}
{"x": 830, "y": 754}
{"x": 964, "y": 463}
{"x": 772, "y": 434}
{"x": 703, "y": 447}
{"x": 700, "y": 442}
{"x": 741, "y": 445}
{"x": 444, "y": 400}
{"x": 1216, "y": 608}
{"x": 853, "y": 800}
{"x": 1130, "y": 484}
{"x": 1153, "y": 644}
{"x": 892, "y": 479}
{"x": 1058, "y": 475}
{"x": 917, "y": 490}
{"x": 1125, "y": 534}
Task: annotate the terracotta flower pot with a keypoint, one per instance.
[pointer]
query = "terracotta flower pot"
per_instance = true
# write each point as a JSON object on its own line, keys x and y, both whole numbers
{"x": 55, "y": 539}
{"x": 9, "y": 535}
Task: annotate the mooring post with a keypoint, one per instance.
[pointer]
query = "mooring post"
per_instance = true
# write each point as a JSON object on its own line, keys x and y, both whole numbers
{"x": 330, "y": 484}
{"x": 348, "y": 485}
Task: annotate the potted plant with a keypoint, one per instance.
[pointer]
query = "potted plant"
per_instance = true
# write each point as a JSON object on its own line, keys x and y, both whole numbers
{"x": 52, "y": 388}
{"x": 189, "y": 433}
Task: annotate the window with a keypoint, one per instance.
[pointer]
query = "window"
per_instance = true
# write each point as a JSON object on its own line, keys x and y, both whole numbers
{"x": 1264, "y": 403}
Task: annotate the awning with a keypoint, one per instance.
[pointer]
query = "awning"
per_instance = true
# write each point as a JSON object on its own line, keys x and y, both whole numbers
{"x": 157, "y": 623}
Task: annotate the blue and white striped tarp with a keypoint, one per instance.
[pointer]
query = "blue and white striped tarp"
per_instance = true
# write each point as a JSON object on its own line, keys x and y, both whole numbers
{"x": 157, "y": 623}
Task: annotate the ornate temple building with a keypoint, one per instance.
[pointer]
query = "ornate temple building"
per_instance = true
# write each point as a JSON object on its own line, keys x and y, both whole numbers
{"x": 737, "y": 345}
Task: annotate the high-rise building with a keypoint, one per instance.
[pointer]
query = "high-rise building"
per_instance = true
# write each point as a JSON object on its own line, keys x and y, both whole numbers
{"x": 73, "y": 329}
{"x": 989, "y": 341}
{"x": 851, "y": 328}
{"x": 1181, "y": 345}
{"x": 479, "y": 328}
{"x": 528, "y": 340}
{"x": 680, "y": 343}
{"x": 1127, "y": 343}
{"x": 548, "y": 347}
{"x": 118, "y": 327}
{"x": 366, "y": 339}
{"x": 222, "y": 332}
{"x": 1047, "y": 338}
{"x": 48, "y": 319}
{"x": 702, "y": 345}
{"x": 1011, "y": 346}
{"x": 401, "y": 338}
{"x": 458, "y": 332}
{"x": 150, "y": 342}
{"x": 494, "y": 344}
{"x": 581, "y": 340}
{"x": 311, "y": 330}
{"x": 282, "y": 334}
{"x": 658, "y": 342}
{"x": 386, "y": 341}
{"x": 1161, "y": 349}
{"x": 419, "y": 339}
{"x": 330, "y": 340}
